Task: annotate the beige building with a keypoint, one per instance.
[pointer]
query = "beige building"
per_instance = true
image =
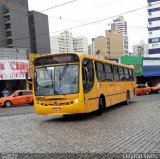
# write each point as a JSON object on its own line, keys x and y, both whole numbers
{"x": 114, "y": 44}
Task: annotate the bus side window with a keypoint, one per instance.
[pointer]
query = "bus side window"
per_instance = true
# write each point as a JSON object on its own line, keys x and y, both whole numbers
{"x": 126, "y": 73}
{"x": 115, "y": 73}
{"x": 131, "y": 77}
{"x": 87, "y": 75}
{"x": 121, "y": 74}
{"x": 108, "y": 72}
{"x": 100, "y": 71}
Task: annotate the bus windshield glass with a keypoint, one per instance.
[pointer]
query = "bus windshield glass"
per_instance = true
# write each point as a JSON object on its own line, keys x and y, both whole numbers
{"x": 56, "y": 80}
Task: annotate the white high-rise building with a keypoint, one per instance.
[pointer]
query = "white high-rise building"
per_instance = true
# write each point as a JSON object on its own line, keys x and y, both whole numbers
{"x": 154, "y": 27}
{"x": 66, "y": 39}
{"x": 65, "y": 42}
{"x": 80, "y": 44}
{"x": 140, "y": 49}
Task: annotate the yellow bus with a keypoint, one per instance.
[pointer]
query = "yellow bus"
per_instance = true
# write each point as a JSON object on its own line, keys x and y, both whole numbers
{"x": 72, "y": 83}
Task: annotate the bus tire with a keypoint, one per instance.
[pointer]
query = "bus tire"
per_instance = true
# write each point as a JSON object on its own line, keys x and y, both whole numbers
{"x": 158, "y": 91}
{"x": 101, "y": 106}
{"x": 127, "y": 102}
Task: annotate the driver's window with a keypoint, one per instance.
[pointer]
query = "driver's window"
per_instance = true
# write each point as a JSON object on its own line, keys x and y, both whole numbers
{"x": 87, "y": 75}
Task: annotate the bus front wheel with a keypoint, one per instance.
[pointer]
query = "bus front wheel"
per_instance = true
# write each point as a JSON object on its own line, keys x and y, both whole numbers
{"x": 101, "y": 106}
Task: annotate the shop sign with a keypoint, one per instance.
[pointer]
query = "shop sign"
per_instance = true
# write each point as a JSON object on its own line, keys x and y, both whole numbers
{"x": 13, "y": 69}
{"x": 136, "y": 61}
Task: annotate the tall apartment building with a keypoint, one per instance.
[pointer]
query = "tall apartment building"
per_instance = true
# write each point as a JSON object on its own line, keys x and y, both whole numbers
{"x": 14, "y": 24}
{"x": 119, "y": 25}
{"x": 110, "y": 46}
{"x": 154, "y": 27}
{"x": 39, "y": 32}
{"x": 65, "y": 42}
{"x": 16, "y": 28}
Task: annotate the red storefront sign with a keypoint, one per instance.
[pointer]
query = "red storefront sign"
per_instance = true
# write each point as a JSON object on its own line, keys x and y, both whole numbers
{"x": 13, "y": 69}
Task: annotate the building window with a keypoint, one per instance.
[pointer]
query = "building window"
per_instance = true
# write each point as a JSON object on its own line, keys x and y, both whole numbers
{"x": 155, "y": 40}
{"x": 153, "y": 28}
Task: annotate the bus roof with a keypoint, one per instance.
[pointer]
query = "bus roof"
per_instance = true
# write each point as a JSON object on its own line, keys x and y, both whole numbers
{"x": 84, "y": 55}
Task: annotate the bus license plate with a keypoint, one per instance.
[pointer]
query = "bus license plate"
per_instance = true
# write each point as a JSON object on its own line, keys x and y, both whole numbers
{"x": 56, "y": 109}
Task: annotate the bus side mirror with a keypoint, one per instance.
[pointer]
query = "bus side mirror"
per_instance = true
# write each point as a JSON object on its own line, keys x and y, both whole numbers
{"x": 26, "y": 75}
{"x": 27, "y": 78}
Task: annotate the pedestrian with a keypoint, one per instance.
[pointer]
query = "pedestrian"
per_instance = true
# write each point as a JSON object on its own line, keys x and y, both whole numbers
{"x": 146, "y": 84}
{"x": 5, "y": 92}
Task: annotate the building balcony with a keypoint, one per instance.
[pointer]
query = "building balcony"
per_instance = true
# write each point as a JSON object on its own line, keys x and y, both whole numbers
{"x": 8, "y": 29}
{"x": 10, "y": 45}
{"x": 6, "y": 13}
{"x": 9, "y": 37}
{"x": 7, "y": 20}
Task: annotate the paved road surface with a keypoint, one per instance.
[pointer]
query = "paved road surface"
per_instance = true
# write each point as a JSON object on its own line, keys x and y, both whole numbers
{"x": 133, "y": 128}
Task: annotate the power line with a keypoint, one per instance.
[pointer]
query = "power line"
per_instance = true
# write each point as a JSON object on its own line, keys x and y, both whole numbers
{"x": 27, "y": 14}
{"x": 107, "y": 18}
{"x": 91, "y": 22}
{"x": 102, "y": 19}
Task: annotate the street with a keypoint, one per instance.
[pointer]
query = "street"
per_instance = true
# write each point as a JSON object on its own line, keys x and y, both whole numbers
{"x": 133, "y": 128}
{"x": 17, "y": 110}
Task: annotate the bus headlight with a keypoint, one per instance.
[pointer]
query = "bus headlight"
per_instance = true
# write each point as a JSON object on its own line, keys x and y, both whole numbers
{"x": 76, "y": 101}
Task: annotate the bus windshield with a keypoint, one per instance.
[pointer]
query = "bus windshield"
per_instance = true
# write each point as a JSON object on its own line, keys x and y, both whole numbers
{"x": 56, "y": 80}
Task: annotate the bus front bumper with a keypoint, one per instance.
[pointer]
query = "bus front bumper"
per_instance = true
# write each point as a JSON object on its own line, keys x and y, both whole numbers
{"x": 74, "y": 108}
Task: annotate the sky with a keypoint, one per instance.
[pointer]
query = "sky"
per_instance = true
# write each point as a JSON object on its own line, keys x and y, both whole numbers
{"x": 74, "y": 15}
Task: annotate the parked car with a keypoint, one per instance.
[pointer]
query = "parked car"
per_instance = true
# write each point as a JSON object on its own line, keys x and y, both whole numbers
{"x": 143, "y": 89}
{"x": 17, "y": 98}
{"x": 156, "y": 89}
